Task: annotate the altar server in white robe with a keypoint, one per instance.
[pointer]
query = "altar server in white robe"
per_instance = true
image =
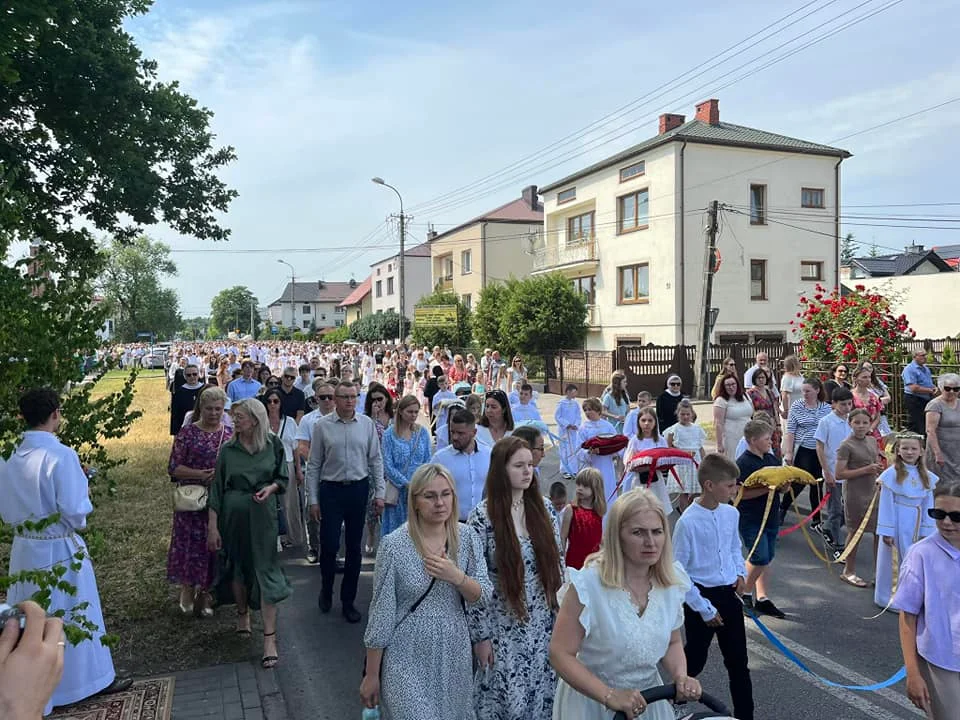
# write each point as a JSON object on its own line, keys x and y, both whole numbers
{"x": 568, "y": 419}
{"x": 42, "y": 478}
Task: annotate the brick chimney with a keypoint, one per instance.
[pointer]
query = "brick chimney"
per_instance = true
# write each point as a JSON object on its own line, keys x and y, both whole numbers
{"x": 709, "y": 112}
{"x": 669, "y": 121}
{"x": 531, "y": 197}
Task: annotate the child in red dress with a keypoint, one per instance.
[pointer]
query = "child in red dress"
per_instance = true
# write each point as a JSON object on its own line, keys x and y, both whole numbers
{"x": 582, "y": 522}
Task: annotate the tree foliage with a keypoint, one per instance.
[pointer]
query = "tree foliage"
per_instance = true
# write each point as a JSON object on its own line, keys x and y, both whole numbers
{"x": 488, "y": 315}
{"x": 131, "y": 288}
{"x": 452, "y": 335}
{"x": 849, "y": 248}
{"x": 196, "y": 328}
{"x": 90, "y": 142}
{"x": 857, "y": 326}
{"x": 339, "y": 335}
{"x": 230, "y": 311}
{"x": 376, "y": 327}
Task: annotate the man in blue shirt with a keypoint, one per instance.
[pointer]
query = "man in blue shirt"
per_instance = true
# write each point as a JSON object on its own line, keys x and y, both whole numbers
{"x": 244, "y": 386}
{"x": 918, "y": 389}
{"x": 466, "y": 459}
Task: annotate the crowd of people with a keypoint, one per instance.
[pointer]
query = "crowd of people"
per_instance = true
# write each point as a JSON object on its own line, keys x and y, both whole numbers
{"x": 513, "y": 604}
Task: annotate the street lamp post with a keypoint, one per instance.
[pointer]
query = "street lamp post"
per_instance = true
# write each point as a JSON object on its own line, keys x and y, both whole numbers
{"x": 380, "y": 181}
{"x": 293, "y": 293}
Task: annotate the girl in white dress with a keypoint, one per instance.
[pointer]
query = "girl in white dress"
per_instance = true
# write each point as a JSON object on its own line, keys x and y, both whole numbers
{"x": 906, "y": 493}
{"x": 690, "y": 436}
{"x": 594, "y": 426}
{"x": 647, "y": 438}
{"x": 568, "y": 419}
{"x": 619, "y": 617}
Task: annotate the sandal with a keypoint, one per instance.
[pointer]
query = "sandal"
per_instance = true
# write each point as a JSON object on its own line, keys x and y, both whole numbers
{"x": 243, "y": 632}
{"x": 269, "y": 661}
{"x": 854, "y": 580}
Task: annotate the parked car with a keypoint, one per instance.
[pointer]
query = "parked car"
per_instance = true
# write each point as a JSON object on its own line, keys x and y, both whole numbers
{"x": 155, "y": 359}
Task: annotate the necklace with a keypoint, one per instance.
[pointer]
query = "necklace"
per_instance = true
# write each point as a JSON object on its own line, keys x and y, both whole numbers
{"x": 516, "y": 504}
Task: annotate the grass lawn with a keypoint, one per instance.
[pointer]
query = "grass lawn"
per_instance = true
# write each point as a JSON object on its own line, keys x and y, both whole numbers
{"x": 128, "y": 537}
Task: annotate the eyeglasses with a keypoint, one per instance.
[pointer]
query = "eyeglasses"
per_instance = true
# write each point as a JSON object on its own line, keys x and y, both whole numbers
{"x": 273, "y": 401}
{"x": 289, "y": 377}
{"x": 272, "y": 383}
{"x": 938, "y": 514}
{"x": 443, "y": 497}
{"x": 950, "y": 388}
{"x": 325, "y": 397}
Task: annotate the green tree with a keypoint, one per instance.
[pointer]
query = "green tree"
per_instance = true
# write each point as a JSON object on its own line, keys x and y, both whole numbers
{"x": 196, "y": 328}
{"x": 376, "y": 327}
{"x": 543, "y": 313}
{"x": 451, "y": 335}
{"x": 230, "y": 311}
{"x": 948, "y": 359}
{"x": 131, "y": 288}
{"x": 90, "y": 142}
{"x": 849, "y": 248}
{"x": 488, "y": 315}
{"x": 339, "y": 335}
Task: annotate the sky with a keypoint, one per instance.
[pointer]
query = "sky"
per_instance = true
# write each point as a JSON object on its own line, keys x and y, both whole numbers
{"x": 318, "y": 97}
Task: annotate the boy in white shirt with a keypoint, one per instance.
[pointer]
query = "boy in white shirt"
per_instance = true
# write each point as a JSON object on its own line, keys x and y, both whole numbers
{"x": 525, "y": 410}
{"x": 832, "y": 430}
{"x": 707, "y": 543}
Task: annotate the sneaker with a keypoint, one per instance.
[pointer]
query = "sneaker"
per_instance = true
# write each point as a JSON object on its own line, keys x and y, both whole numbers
{"x": 312, "y": 558}
{"x": 828, "y": 537}
{"x": 747, "y": 601}
{"x": 817, "y": 528}
{"x": 766, "y": 607}
{"x": 836, "y": 557}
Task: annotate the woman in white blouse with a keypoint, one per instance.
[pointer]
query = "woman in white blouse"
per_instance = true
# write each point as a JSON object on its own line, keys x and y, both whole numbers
{"x": 731, "y": 411}
{"x": 620, "y": 616}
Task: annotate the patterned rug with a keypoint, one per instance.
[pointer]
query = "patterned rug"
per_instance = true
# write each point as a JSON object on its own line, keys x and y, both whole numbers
{"x": 145, "y": 700}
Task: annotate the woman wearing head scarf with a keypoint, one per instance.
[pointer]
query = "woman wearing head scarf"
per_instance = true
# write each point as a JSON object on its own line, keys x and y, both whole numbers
{"x": 668, "y": 401}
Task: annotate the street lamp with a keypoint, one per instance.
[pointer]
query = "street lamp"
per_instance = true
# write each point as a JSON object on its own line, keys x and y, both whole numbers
{"x": 380, "y": 181}
{"x": 293, "y": 293}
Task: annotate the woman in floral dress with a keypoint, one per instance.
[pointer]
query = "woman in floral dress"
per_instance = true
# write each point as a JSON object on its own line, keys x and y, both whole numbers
{"x": 521, "y": 545}
{"x": 865, "y": 397}
{"x": 192, "y": 462}
{"x": 764, "y": 399}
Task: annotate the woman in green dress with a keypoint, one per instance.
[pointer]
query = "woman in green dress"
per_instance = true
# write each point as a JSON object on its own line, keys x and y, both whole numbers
{"x": 250, "y": 471}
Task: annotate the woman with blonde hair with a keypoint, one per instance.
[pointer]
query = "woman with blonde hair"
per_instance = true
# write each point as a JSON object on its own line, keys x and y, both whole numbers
{"x": 620, "y": 616}
{"x": 251, "y": 470}
{"x": 427, "y": 570}
{"x": 615, "y": 401}
{"x": 405, "y": 447}
{"x": 791, "y": 384}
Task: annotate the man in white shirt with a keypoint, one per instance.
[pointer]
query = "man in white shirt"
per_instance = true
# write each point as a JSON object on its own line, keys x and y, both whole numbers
{"x": 323, "y": 394}
{"x": 763, "y": 361}
{"x": 466, "y": 459}
{"x": 525, "y": 410}
{"x": 832, "y": 430}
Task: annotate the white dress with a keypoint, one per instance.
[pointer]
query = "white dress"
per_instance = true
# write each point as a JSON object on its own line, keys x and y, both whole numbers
{"x": 690, "y": 438}
{"x": 734, "y": 421}
{"x": 41, "y": 478}
{"x": 902, "y": 515}
{"x": 658, "y": 484}
{"x": 566, "y": 414}
{"x": 619, "y": 647}
{"x": 603, "y": 463}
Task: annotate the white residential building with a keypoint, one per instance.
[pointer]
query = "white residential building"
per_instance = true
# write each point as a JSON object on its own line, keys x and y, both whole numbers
{"x": 316, "y": 303}
{"x": 630, "y": 232}
{"x": 385, "y": 280}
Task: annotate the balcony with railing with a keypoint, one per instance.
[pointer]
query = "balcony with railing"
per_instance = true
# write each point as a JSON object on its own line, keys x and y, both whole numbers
{"x": 445, "y": 283}
{"x": 579, "y": 254}
{"x": 593, "y": 316}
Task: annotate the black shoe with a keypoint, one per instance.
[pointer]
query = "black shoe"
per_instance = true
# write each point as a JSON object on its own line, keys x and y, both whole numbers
{"x": 828, "y": 538}
{"x": 119, "y": 684}
{"x": 325, "y": 602}
{"x": 747, "y": 601}
{"x": 766, "y": 607}
{"x": 351, "y": 614}
{"x": 816, "y": 528}
{"x": 312, "y": 557}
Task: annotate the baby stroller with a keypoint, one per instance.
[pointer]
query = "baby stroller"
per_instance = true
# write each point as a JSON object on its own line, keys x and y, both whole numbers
{"x": 718, "y": 711}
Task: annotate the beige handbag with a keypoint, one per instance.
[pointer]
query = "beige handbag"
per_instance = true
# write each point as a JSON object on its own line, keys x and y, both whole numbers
{"x": 392, "y": 494}
{"x": 193, "y": 498}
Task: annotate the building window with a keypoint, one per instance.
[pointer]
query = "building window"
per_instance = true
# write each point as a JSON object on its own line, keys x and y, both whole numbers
{"x": 467, "y": 301}
{"x": 306, "y": 324}
{"x": 758, "y": 204}
{"x": 323, "y": 316}
{"x": 389, "y": 267}
{"x": 758, "y": 279}
{"x": 565, "y": 196}
{"x": 580, "y": 228}
{"x": 635, "y": 170}
{"x": 379, "y": 290}
{"x": 448, "y": 267}
{"x": 389, "y": 286}
{"x": 811, "y": 270}
{"x": 338, "y": 323}
{"x": 466, "y": 262}
{"x": 634, "y": 282}
{"x": 306, "y": 310}
{"x": 586, "y": 286}
{"x": 340, "y": 310}
{"x": 378, "y": 271}
{"x": 811, "y": 197}
{"x": 633, "y": 211}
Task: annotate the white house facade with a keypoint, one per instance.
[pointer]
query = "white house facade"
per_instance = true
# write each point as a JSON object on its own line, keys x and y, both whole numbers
{"x": 385, "y": 280}
{"x": 309, "y": 304}
{"x": 629, "y": 232}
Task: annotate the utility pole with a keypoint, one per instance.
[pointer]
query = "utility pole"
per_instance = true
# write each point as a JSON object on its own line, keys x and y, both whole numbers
{"x": 293, "y": 294}
{"x": 403, "y": 303}
{"x": 702, "y": 381}
{"x": 252, "y": 333}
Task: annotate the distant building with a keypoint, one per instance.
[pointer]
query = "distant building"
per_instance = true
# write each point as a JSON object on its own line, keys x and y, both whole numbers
{"x": 914, "y": 260}
{"x": 358, "y": 303}
{"x": 385, "y": 280}
{"x": 316, "y": 303}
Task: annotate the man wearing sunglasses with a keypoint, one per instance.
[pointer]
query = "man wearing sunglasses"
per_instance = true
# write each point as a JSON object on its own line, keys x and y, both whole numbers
{"x": 323, "y": 397}
{"x": 292, "y": 400}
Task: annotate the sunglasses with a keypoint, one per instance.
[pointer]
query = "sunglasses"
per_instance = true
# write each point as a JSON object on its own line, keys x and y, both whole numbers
{"x": 674, "y": 384}
{"x": 950, "y": 388}
{"x": 938, "y": 514}
{"x": 273, "y": 401}
{"x": 325, "y": 397}
{"x": 272, "y": 383}
{"x": 289, "y": 377}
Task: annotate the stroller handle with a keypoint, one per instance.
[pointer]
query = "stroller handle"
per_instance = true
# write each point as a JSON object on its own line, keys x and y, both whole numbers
{"x": 669, "y": 692}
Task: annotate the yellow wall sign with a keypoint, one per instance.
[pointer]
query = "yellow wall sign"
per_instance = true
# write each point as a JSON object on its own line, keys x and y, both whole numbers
{"x": 435, "y": 315}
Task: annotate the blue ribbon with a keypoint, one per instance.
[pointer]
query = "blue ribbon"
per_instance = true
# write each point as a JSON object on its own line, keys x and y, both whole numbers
{"x": 788, "y": 653}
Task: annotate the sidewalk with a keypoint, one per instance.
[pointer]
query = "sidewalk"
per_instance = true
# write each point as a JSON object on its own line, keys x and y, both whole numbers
{"x": 239, "y": 691}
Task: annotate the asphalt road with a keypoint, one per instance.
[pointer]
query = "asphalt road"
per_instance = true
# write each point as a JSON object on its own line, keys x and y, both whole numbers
{"x": 322, "y": 655}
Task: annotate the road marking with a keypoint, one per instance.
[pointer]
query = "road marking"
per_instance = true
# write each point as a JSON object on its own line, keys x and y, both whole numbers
{"x": 838, "y": 671}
